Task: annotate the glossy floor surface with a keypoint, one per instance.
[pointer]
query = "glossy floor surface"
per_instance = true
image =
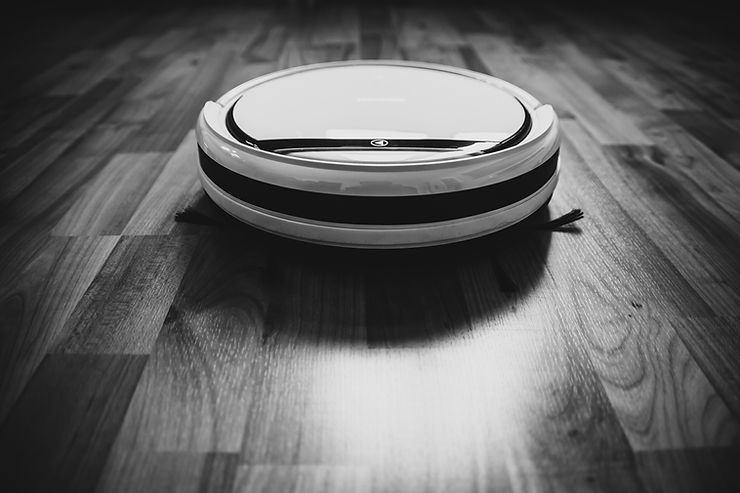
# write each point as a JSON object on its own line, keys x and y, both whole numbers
{"x": 142, "y": 354}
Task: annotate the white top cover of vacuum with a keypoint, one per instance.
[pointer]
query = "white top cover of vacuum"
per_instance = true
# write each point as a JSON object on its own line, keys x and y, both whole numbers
{"x": 385, "y": 102}
{"x": 378, "y": 153}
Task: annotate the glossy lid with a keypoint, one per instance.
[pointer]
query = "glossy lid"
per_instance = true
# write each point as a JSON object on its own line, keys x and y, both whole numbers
{"x": 377, "y": 113}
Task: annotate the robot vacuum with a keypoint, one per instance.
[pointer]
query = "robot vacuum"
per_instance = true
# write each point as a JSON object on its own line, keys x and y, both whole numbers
{"x": 378, "y": 154}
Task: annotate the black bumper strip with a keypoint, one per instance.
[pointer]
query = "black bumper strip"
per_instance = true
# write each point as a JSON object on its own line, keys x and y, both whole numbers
{"x": 356, "y": 209}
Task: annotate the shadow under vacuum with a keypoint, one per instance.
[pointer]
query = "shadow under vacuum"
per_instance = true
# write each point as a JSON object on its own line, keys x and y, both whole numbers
{"x": 377, "y": 298}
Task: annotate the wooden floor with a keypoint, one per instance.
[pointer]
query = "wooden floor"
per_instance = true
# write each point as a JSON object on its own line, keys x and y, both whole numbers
{"x": 142, "y": 354}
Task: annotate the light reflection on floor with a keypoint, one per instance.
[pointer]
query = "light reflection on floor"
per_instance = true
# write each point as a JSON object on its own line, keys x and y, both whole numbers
{"x": 444, "y": 409}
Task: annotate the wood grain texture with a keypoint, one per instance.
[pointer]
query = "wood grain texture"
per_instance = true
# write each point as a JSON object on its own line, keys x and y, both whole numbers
{"x": 299, "y": 479}
{"x": 171, "y": 471}
{"x": 109, "y": 201}
{"x": 215, "y": 319}
{"x": 37, "y": 302}
{"x": 627, "y": 356}
{"x": 58, "y": 435}
{"x": 169, "y": 193}
{"x": 695, "y": 469}
{"x": 30, "y": 161}
{"x": 140, "y": 354}
{"x": 125, "y": 306}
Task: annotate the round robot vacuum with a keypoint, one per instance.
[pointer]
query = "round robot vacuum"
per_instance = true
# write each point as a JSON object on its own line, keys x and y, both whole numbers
{"x": 378, "y": 154}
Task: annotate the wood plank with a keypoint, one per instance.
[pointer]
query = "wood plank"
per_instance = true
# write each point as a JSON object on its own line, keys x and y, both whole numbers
{"x": 705, "y": 175}
{"x": 376, "y": 46}
{"x": 64, "y": 43}
{"x": 30, "y": 217}
{"x": 714, "y": 186}
{"x": 18, "y": 127}
{"x": 719, "y": 137}
{"x": 424, "y": 27}
{"x": 335, "y": 26}
{"x": 606, "y": 477}
{"x": 125, "y": 306}
{"x": 268, "y": 45}
{"x": 239, "y": 74}
{"x": 36, "y": 302}
{"x": 85, "y": 112}
{"x": 508, "y": 62}
{"x": 304, "y": 479}
{"x": 472, "y": 60}
{"x": 606, "y": 123}
{"x": 88, "y": 395}
{"x": 705, "y": 91}
{"x": 295, "y": 53}
{"x": 378, "y": 38}
{"x": 690, "y": 470}
{"x": 714, "y": 342}
{"x": 168, "y": 74}
{"x": 512, "y": 24}
{"x": 179, "y": 111}
{"x": 241, "y": 70}
{"x": 109, "y": 201}
{"x": 167, "y": 42}
{"x": 170, "y": 471}
{"x": 310, "y": 309}
{"x": 444, "y": 55}
{"x": 689, "y": 237}
{"x": 383, "y": 406}
{"x": 649, "y": 85}
{"x": 656, "y": 387}
{"x": 718, "y": 67}
{"x": 104, "y": 65}
{"x": 170, "y": 193}
{"x": 61, "y": 69}
{"x": 196, "y": 392}
{"x": 590, "y": 29}
{"x": 559, "y": 407}
{"x": 467, "y": 21}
